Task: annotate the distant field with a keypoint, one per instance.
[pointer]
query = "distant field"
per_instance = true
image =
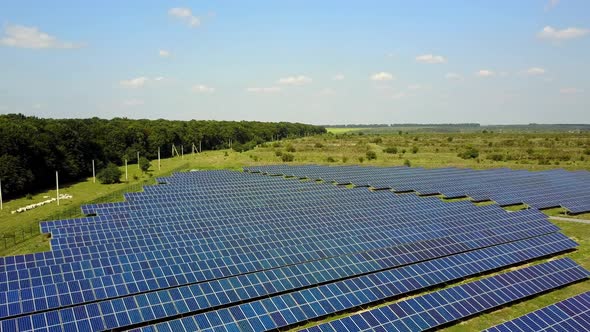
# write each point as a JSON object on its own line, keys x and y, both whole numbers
{"x": 344, "y": 130}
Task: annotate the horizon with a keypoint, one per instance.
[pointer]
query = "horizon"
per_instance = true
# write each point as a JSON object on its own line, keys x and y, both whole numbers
{"x": 324, "y": 63}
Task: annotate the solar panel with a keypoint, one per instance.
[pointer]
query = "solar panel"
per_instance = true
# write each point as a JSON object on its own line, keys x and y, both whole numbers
{"x": 208, "y": 247}
{"x": 451, "y": 304}
{"x": 540, "y": 189}
{"x": 572, "y": 314}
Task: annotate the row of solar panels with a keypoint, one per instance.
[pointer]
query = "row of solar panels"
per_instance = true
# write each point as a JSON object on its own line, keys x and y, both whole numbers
{"x": 542, "y": 189}
{"x": 263, "y": 260}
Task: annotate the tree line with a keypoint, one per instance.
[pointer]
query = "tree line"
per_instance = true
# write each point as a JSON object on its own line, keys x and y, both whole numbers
{"x": 32, "y": 149}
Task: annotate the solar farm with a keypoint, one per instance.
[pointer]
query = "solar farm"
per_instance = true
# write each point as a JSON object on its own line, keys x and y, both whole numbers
{"x": 310, "y": 248}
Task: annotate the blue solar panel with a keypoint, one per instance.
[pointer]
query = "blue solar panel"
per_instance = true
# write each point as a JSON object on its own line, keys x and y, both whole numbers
{"x": 451, "y": 304}
{"x": 572, "y": 314}
{"x": 250, "y": 251}
{"x": 545, "y": 189}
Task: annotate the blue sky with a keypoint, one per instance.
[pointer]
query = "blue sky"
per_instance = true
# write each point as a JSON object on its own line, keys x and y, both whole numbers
{"x": 319, "y": 62}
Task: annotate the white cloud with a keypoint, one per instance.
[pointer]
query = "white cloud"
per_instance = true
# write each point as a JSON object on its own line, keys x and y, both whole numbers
{"x": 551, "y": 4}
{"x": 414, "y": 87}
{"x": 133, "y": 102}
{"x": 295, "y": 80}
{"x": 533, "y": 71}
{"x": 338, "y": 77}
{"x": 137, "y": 82}
{"x": 159, "y": 78}
{"x": 200, "y": 88}
{"x": 485, "y": 73}
{"x": 430, "y": 58}
{"x": 30, "y": 37}
{"x": 551, "y": 33}
{"x": 569, "y": 91}
{"x": 185, "y": 15}
{"x": 164, "y": 53}
{"x": 453, "y": 76}
{"x": 382, "y": 76}
{"x": 272, "y": 89}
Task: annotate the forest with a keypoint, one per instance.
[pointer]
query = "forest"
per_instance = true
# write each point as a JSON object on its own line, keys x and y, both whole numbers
{"x": 32, "y": 149}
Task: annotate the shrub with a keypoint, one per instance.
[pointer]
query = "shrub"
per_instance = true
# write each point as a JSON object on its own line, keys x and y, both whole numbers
{"x": 414, "y": 149}
{"x": 391, "y": 149}
{"x": 318, "y": 145}
{"x": 277, "y": 145}
{"x": 361, "y": 159}
{"x": 278, "y": 153}
{"x": 407, "y": 163}
{"x": 371, "y": 155}
{"x": 496, "y": 157}
{"x": 29, "y": 196}
{"x": 469, "y": 153}
{"x": 331, "y": 159}
{"x": 110, "y": 174}
{"x": 144, "y": 164}
{"x": 344, "y": 159}
{"x": 377, "y": 140}
{"x": 449, "y": 139}
{"x": 287, "y": 157}
{"x": 290, "y": 148}
{"x": 403, "y": 151}
{"x": 587, "y": 151}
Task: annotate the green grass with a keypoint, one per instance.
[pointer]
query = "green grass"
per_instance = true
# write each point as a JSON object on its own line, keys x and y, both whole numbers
{"x": 344, "y": 130}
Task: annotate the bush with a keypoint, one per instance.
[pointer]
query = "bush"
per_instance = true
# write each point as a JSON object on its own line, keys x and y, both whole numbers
{"x": 407, "y": 163}
{"x": 277, "y": 145}
{"x": 278, "y": 153}
{"x": 377, "y": 140}
{"x": 318, "y": 145}
{"x": 414, "y": 149}
{"x": 290, "y": 148}
{"x": 391, "y": 149}
{"x": 495, "y": 157}
{"x": 110, "y": 174}
{"x": 331, "y": 159}
{"x": 344, "y": 159}
{"x": 449, "y": 139}
{"x": 587, "y": 152}
{"x": 371, "y": 155}
{"x": 29, "y": 196}
{"x": 361, "y": 160}
{"x": 287, "y": 157}
{"x": 144, "y": 164}
{"x": 469, "y": 153}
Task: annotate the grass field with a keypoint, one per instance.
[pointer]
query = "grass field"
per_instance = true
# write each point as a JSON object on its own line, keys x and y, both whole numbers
{"x": 522, "y": 151}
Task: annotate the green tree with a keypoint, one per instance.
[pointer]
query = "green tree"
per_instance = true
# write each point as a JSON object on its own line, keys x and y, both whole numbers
{"x": 110, "y": 174}
{"x": 144, "y": 164}
{"x": 371, "y": 155}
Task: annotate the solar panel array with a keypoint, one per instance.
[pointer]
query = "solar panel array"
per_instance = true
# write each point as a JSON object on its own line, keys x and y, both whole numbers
{"x": 223, "y": 250}
{"x": 540, "y": 189}
{"x": 572, "y": 314}
{"x": 451, "y": 304}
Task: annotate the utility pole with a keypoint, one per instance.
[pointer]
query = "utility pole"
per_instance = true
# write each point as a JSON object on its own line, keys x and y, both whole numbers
{"x": 57, "y": 186}
{"x": 200, "y": 146}
{"x": 93, "y": 173}
{"x": 126, "y": 172}
{"x": 138, "y": 160}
